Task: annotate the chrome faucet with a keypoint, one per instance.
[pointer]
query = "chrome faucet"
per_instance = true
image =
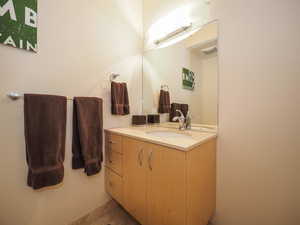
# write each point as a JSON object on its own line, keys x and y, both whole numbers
{"x": 184, "y": 122}
{"x": 188, "y": 121}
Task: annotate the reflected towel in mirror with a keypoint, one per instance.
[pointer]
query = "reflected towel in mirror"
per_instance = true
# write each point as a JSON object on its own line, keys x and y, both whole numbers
{"x": 164, "y": 102}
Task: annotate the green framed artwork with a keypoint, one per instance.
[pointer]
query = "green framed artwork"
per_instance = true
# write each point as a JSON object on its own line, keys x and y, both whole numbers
{"x": 188, "y": 79}
{"x": 18, "y": 24}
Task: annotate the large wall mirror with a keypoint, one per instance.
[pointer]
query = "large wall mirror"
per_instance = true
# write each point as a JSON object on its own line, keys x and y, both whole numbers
{"x": 186, "y": 68}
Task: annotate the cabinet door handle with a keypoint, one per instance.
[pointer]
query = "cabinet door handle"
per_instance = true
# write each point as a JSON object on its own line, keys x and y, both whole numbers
{"x": 140, "y": 157}
{"x": 150, "y": 160}
{"x": 112, "y": 142}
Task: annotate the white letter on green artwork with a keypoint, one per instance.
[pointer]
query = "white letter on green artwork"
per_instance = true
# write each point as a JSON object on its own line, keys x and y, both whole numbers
{"x": 8, "y": 7}
{"x": 30, "y": 17}
{"x": 10, "y": 41}
{"x": 29, "y": 46}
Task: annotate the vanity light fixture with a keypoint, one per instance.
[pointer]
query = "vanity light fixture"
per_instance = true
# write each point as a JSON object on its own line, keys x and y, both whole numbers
{"x": 173, "y": 34}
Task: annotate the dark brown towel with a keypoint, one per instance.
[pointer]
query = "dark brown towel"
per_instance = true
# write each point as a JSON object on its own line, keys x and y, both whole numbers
{"x": 173, "y": 112}
{"x": 87, "y": 134}
{"x": 45, "y": 135}
{"x": 153, "y": 118}
{"x": 119, "y": 99}
{"x": 139, "y": 120}
{"x": 184, "y": 109}
{"x": 164, "y": 102}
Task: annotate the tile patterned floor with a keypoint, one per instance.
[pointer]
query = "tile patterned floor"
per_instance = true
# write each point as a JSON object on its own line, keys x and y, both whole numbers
{"x": 116, "y": 216}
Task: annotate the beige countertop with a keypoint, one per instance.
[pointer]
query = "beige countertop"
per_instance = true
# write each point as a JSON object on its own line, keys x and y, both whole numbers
{"x": 190, "y": 140}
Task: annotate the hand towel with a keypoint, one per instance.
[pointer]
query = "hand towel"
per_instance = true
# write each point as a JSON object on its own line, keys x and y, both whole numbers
{"x": 87, "y": 134}
{"x": 119, "y": 99}
{"x": 153, "y": 118}
{"x": 139, "y": 119}
{"x": 45, "y": 135}
{"x": 164, "y": 102}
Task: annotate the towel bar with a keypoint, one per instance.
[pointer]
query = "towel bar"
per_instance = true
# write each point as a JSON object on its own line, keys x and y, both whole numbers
{"x": 15, "y": 96}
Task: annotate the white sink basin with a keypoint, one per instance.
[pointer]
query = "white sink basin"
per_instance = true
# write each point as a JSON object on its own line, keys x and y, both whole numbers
{"x": 169, "y": 134}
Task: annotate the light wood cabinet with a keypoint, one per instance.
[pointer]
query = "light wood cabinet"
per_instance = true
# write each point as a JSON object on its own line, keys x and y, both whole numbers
{"x": 114, "y": 167}
{"x": 135, "y": 179}
{"x": 166, "y": 186}
{"x": 114, "y": 161}
{"x": 114, "y": 142}
{"x": 162, "y": 186}
{"x": 201, "y": 183}
{"x": 114, "y": 185}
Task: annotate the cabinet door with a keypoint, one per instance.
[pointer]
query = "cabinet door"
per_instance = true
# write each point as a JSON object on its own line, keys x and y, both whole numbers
{"x": 166, "y": 186}
{"x": 135, "y": 178}
{"x": 201, "y": 183}
{"x": 114, "y": 185}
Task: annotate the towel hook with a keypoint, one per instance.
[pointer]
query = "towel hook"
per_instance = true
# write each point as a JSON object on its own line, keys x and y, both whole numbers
{"x": 113, "y": 76}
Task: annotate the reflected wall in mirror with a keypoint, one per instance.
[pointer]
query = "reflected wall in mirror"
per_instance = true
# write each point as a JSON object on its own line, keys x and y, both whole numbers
{"x": 163, "y": 68}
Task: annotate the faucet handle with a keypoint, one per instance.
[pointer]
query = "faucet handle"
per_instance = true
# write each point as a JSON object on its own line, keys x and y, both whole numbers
{"x": 175, "y": 118}
{"x": 181, "y": 114}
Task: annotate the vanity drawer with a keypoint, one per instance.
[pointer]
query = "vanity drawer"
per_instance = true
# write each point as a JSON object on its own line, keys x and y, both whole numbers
{"x": 113, "y": 142}
{"x": 114, "y": 185}
{"x": 114, "y": 161}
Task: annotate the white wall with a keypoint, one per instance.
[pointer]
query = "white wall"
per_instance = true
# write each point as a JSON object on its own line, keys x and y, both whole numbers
{"x": 80, "y": 43}
{"x": 259, "y": 125}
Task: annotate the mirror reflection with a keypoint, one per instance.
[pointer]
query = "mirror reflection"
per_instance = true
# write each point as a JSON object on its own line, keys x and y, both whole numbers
{"x": 183, "y": 77}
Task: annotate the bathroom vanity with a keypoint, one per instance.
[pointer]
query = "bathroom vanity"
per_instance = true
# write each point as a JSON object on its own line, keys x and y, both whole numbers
{"x": 162, "y": 176}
